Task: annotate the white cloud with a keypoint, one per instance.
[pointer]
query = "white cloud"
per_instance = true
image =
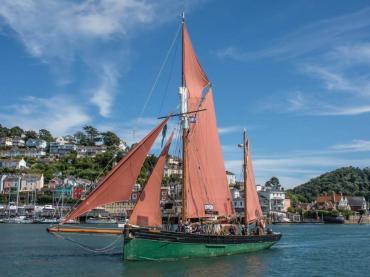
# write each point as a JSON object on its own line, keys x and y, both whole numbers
{"x": 57, "y": 114}
{"x": 356, "y": 145}
{"x": 308, "y": 38}
{"x": 93, "y": 33}
{"x": 229, "y": 129}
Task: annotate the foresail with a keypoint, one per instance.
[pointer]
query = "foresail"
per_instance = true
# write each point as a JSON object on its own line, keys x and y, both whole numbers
{"x": 117, "y": 185}
{"x": 253, "y": 205}
{"x": 147, "y": 211}
{"x": 207, "y": 191}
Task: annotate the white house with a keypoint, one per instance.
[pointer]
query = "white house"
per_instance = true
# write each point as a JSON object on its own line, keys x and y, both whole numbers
{"x": 17, "y": 141}
{"x": 5, "y": 141}
{"x": 32, "y": 182}
{"x": 36, "y": 143}
{"x": 15, "y": 164}
{"x": 272, "y": 199}
{"x": 231, "y": 178}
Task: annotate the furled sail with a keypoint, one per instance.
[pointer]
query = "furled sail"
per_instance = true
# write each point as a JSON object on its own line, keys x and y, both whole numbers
{"x": 207, "y": 191}
{"x": 117, "y": 185}
{"x": 254, "y": 211}
{"x": 147, "y": 211}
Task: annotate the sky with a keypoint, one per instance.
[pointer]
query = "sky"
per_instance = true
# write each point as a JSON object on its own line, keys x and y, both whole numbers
{"x": 294, "y": 74}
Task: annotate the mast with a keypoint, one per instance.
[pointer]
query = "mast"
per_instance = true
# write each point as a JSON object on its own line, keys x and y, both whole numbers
{"x": 245, "y": 157}
{"x": 185, "y": 123}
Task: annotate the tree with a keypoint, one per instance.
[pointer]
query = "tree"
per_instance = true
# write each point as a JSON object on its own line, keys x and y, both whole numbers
{"x": 16, "y": 131}
{"x": 45, "y": 135}
{"x": 273, "y": 182}
{"x": 81, "y": 138}
{"x": 110, "y": 139}
{"x": 30, "y": 134}
{"x": 92, "y": 134}
{"x": 4, "y": 132}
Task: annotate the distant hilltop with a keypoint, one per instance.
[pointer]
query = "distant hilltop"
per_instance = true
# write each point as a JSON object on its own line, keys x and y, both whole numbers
{"x": 350, "y": 181}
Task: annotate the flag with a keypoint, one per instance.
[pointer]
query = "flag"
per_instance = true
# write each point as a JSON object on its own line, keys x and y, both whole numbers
{"x": 164, "y": 131}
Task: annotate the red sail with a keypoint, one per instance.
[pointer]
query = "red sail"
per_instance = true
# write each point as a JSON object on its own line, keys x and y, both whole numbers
{"x": 253, "y": 205}
{"x": 117, "y": 185}
{"x": 207, "y": 190}
{"x": 147, "y": 211}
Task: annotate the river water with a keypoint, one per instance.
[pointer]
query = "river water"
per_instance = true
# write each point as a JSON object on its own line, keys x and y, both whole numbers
{"x": 305, "y": 250}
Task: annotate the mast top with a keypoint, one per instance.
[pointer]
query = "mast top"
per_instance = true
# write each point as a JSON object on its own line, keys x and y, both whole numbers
{"x": 183, "y": 17}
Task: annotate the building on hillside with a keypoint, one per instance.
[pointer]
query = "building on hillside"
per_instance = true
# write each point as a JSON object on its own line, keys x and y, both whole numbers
{"x": 36, "y": 143}
{"x": 25, "y": 152}
{"x": 13, "y": 163}
{"x": 90, "y": 151}
{"x": 287, "y": 204}
{"x": 60, "y": 140}
{"x": 18, "y": 141}
{"x": 58, "y": 149}
{"x": 173, "y": 167}
{"x": 77, "y": 193}
{"x": 11, "y": 182}
{"x": 32, "y": 182}
{"x": 231, "y": 178}
{"x": 6, "y": 141}
{"x": 357, "y": 203}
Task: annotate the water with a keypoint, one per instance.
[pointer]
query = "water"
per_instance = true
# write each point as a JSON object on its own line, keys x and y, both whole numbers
{"x": 305, "y": 250}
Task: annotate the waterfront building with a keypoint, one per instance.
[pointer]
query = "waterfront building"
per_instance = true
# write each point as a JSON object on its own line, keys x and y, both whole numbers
{"x": 11, "y": 183}
{"x": 328, "y": 201}
{"x": 13, "y": 163}
{"x": 272, "y": 199}
{"x": 357, "y": 203}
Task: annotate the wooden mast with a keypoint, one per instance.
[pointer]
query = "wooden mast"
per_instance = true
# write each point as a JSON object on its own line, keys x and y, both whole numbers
{"x": 184, "y": 129}
{"x": 245, "y": 157}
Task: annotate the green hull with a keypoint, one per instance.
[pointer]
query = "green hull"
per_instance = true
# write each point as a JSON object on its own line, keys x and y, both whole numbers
{"x": 147, "y": 249}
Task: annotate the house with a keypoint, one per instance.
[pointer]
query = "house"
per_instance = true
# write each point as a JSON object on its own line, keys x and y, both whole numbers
{"x": 11, "y": 182}
{"x": 36, "y": 143}
{"x": 16, "y": 153}
{"x": 32, "y": 182}
{"x": 12, "y": 163}
{"x": 173, "y": 167}
{"x": 328, "y": 201}
{"x": 18, "y": 141}
{"x": 272, "y": 199}
{"x": 357, "y": 203}
{"x": 231, "y": 178}
{"x": 6, "y": 141}
{"x": 58, "y": 149}
{"x": 77, "y": 193}
{"x": 90, "y": 151}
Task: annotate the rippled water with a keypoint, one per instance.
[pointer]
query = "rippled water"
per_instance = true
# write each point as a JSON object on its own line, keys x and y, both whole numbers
{"x": 305, "y": 250}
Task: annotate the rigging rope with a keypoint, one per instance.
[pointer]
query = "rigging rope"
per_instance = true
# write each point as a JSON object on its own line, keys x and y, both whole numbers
{"x": 156, "y": 80}
{"x": 111, "y": 246}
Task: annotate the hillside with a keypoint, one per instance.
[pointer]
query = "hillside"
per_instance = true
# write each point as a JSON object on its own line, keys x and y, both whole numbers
{"x": 347, "y": 180}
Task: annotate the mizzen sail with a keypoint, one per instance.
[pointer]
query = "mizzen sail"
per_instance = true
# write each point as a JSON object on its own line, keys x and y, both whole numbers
{"x": 117, "y": 185}
{"x": 206, "y": 186}
{"x": 253, "y": 207}
{"x": 147, "y": 211}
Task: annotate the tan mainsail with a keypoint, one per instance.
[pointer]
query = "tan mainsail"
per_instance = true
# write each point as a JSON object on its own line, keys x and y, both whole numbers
{"x": 206, "y": 186}
{"x": 117, "y": 185}
{"x": 147, "y": 211}
{"x": 254, "y": 211}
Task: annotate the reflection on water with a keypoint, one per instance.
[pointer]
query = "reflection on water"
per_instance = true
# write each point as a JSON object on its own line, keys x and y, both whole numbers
{"x": 305, "y": 250}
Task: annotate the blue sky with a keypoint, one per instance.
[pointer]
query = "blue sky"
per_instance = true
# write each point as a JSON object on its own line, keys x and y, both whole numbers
{"x": 294, "y": 73}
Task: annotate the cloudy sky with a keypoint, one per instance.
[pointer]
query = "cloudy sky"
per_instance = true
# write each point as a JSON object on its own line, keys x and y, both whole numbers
{"x": 295, "y": 74}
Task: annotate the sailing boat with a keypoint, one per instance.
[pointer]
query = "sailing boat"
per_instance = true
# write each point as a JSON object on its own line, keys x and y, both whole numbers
{"x": 205, "y": 193}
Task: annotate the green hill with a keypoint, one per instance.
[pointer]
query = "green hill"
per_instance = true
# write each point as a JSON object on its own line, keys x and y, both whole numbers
{"x": 347, "y": 180}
